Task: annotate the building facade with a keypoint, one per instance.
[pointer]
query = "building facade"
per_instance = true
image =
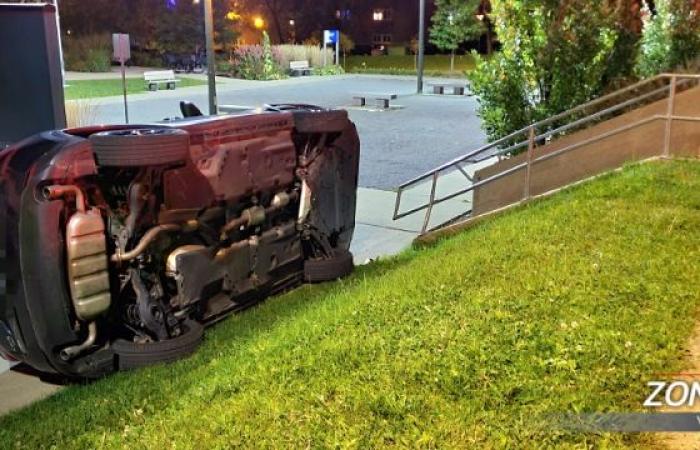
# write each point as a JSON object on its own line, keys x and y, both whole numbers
{"x": 381, "y": 25}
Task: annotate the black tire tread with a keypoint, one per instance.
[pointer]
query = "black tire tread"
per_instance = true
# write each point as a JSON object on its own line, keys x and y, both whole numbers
{"x": 322, "y": 270}
{"x": 313, "y": 122}
{"x": 133, "y": 356}
{"x": 113, "y": 150}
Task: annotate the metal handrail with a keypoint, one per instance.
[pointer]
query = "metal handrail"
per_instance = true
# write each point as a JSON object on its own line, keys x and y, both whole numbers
{"x": 434, "y": 174}
{"x": 541, "y": 123}
{"x": 547, "y": 121}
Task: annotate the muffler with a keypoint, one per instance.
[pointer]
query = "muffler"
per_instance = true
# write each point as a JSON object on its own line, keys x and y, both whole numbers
{"x": 88, "y": 271}
{"x": 86, "y": 255}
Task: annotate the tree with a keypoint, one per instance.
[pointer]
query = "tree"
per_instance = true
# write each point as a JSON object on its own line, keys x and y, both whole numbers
{"x": 554, "y": 56}
{"x": 180, "y": 28}
{"x": 671, "y": 37}
{"x": 455, "y": 22}
{"x": 627, "y": 22}
{"x": 276, "y": 7}
{"x": 228, "y": 18}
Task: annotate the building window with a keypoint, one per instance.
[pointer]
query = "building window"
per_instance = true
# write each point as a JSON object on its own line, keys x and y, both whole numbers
{"x": 381, "y": 39}
{"x": 342, "y": 14}
{"x": 382, "y": 15}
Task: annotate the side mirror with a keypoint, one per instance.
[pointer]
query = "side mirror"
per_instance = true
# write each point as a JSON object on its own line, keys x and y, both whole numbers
{"x": 189, "y": 109}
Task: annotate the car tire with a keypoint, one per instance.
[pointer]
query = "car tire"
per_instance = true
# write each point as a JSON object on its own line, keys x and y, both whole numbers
{"x": 131, "y": 355}
{"x": 315, "y": 122}
{"x": 140, "y": 147}
{"x": 322, "y": 270}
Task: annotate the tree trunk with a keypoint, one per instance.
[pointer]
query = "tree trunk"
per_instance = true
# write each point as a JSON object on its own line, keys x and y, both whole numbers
{"x": 452, "y": 61}
{"x": 273, "y": 7}
{"x": 278, "y": 28}
{"x": 489, "y": 41}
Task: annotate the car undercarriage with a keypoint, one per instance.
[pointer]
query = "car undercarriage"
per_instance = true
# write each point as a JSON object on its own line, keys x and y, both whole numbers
{"x": 120, "y": 244}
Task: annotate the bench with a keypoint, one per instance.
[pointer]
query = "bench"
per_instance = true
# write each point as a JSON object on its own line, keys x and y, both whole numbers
{"x": 439, "y": 88}
{"x": 382, "y": 100}
{"x": 299, "y": 68}
{"x": 155, "y": 78}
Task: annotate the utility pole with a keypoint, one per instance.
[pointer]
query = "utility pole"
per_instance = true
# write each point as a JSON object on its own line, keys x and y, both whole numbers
{"x": 421, "y": 46}
{"x": 211, "y": 56}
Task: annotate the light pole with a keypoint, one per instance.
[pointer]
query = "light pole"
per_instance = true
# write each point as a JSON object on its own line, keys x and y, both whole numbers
{"x": 293, "y": 28}
{"x": 211, "y": 56}
{"x": 421, "y": 45}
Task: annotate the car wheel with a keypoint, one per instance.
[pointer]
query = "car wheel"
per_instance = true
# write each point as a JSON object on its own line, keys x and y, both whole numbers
{"x": 321, "y": 270}
{"x": 309, "y": 122}
{"x": 133, "y": 356}
{"x": 140, "y": 147}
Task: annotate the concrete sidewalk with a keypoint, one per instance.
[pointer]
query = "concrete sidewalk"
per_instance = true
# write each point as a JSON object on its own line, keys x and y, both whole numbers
{"x": 18, "y": 390}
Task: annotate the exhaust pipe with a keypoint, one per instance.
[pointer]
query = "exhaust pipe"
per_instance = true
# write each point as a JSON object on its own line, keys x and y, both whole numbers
{"x": 151, "y": 235}
{"x": 69, "y": 353}
{"x": 57, "y": 192}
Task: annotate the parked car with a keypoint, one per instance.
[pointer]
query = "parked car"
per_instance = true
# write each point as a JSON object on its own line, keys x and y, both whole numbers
{"x": 119, "y": 244}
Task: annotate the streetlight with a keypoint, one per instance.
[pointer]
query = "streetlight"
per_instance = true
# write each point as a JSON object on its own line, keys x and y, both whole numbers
{"x": 258, "y": 22}
{"x": 292, "y": 26}
{"x": 211, "y": 56}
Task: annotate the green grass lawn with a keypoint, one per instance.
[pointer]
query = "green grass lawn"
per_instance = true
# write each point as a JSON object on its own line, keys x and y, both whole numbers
{"x": 569, "y": 304}
{"x": 435, "y": 65}
{"x": 83, "y": 89}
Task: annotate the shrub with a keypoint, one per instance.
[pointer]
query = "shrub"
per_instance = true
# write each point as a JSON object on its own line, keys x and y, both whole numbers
{"x": 225, "y": 66}
{"x": 311, "y": 53}
{"x": 256, "y": 62}
{"x": 91, "y": 53}
{"x": 146, "y": 59}
{"x": 329, "y": 70}
{"x": 271, "y": 68}
{"x": 553, "y": 58}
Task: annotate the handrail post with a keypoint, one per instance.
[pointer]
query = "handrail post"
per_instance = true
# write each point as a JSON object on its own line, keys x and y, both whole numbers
{"x": 429, "y": 212}
{"x": 530, "y": 152}
{"x": 397, "y": 203}
{"x": 669, "y": 116}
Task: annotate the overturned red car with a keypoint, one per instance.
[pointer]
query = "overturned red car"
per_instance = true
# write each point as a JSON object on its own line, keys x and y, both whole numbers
{"x": 118, "y": 245}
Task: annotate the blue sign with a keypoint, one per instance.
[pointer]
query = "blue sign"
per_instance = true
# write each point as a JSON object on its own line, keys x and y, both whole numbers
{"x": 331, "y": 36}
